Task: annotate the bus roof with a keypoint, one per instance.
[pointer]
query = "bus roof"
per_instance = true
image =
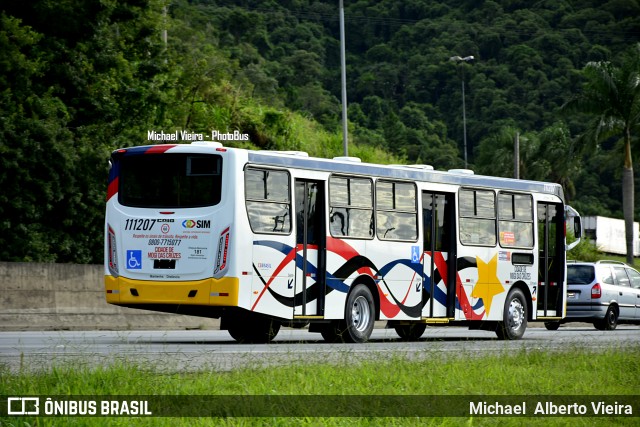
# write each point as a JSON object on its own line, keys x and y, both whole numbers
{"x": 352, "y": 165}
{"x": 409, "y": 172}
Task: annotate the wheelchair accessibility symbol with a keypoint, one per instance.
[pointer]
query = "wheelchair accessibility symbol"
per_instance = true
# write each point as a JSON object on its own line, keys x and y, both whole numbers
{"x": 134, "y": 260}
{"x": 415, "y": 254}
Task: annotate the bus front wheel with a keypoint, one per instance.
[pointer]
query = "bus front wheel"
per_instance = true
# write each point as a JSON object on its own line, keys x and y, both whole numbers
{"x": 514, "y": 316}
{"x": 359, "y": 315}
{"x": 359, "y": 319}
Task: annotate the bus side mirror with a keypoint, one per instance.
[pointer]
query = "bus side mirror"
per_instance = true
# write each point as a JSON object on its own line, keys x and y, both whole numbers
{"x": 573, "y": 217}
{"x": 577, "y": 227}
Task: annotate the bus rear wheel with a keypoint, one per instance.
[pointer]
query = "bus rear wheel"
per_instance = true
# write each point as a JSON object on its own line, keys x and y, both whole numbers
{"x": 514, "y": 316}
{"x": 332, "y": 332}
{"x": 552, "y": 326}
{"x": 410, "y": 332}
{"x": 254, "y": 331}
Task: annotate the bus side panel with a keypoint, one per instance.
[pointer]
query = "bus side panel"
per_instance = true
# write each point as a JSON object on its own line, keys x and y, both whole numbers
{"x": 485, "y": 277}
{"x": 398, "y": 269}
{"x": 273, "y": 264}
{"x": 398, "y": 279}
{"x": 345, "y": 264}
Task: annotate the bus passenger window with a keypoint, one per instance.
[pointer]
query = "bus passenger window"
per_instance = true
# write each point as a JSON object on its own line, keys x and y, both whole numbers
{"x": 350, "y": 207}
{"x": 477, "y": 217}
{"x": 267, "y": 200}
{"x": 396, "y": 211}
{"x": 516, "y": 220}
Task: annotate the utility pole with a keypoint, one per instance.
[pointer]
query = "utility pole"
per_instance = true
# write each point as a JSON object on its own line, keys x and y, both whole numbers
{"x": 343, "y": 66}
{"x": 164, "y": 24}
{"x": 164, "y": 31}
{"x": 516, "y": 156}
{"x": 464, "y": 109}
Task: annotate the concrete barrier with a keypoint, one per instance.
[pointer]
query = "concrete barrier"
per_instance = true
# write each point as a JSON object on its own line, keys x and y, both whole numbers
{"x": 37, "y": 296}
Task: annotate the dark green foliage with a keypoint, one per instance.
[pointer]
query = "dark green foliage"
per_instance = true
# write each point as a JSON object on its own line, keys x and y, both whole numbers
{"x": 76, "y": 80}
{"x": 79, "y": 78}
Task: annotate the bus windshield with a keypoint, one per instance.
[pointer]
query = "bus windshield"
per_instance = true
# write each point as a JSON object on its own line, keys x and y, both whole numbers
{"x": 170, "y": 180}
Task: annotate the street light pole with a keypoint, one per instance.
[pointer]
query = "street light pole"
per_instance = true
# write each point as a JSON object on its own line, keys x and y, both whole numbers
{"x": 464, "y": 109}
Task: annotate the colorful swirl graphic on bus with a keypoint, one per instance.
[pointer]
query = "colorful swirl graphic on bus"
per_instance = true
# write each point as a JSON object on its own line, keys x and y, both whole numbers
{"x": 390, "y": 304}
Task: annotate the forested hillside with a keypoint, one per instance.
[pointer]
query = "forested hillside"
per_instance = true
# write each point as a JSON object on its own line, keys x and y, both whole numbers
{"x": 79, "y": 78}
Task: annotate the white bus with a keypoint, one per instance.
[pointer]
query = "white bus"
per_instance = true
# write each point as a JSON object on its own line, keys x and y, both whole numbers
{"x": 263, "y": 239}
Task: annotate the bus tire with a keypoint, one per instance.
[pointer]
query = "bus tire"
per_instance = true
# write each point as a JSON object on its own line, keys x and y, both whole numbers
{"x": 238, "y": 332}
{"x": 359, "y": 316}
{"x": 410, "y": 332}
{"x": 257, "y": 332}
{"x": 332, "y": 333}
{"x": 552, "y": 326}
{"x": 298, "y": 324}
{"x": 268, "y": 331}
{"x": 514, "y": 316}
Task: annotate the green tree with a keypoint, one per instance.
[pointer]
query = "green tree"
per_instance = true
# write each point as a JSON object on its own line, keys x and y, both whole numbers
{"x": 611, "y": 95}
{"x": 496, "y": 151}
{"x": 77, "y": 79}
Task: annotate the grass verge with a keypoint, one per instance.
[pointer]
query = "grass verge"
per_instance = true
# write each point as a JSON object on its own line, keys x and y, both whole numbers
{"x": 525, "y": 373}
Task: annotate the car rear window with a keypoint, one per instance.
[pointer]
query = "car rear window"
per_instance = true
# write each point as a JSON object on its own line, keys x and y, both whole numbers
{"x": 580, "y": 274}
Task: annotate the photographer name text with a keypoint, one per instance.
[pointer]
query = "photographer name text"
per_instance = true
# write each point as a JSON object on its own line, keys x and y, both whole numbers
{"x": 550, "y": 408}
{"x": 183, "y": 135}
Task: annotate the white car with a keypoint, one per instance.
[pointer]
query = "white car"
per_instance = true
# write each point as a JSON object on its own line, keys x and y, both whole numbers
{"x": 605, "y": 293}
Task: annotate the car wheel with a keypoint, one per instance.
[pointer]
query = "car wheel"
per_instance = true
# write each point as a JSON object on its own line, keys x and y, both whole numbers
{"x": 514, "y": 316}
{"x": 552, "y": 326}
{"x": 610, "y": 320}
{"x": 410, "y": 332}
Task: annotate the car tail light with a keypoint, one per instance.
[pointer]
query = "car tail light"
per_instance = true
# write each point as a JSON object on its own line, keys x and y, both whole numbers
{"x": 596, "y": 291}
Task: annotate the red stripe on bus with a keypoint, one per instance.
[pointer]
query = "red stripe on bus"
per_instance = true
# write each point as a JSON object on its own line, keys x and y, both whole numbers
{"x": 159, "y": 149}
{"x": 290, "y": 257}
{"x": 287, "y": 259}
{"x": 112, "y": 188}
{"x": 347, "y": 252}
{"x": 463, "y": 299}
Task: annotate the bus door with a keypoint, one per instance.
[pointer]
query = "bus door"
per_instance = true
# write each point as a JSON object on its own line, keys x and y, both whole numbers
{"x": 438, "y": 292}
{"x": 309, "y": 284}
{"x": 550, "y": 260}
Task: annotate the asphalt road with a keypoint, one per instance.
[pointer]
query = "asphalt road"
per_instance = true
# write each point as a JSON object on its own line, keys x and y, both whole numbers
{"x": 174, "y": 351}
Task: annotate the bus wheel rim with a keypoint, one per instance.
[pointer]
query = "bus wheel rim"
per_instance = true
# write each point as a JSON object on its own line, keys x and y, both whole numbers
{"x": 360, "y": 313}
{"x": 516, "y": 314}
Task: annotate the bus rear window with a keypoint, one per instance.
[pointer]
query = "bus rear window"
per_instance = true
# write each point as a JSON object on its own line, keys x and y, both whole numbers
{"x": 170, "y": 180}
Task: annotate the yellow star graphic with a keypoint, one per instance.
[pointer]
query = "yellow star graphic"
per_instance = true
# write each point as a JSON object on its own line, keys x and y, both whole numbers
{"x": 488, "y": 284}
